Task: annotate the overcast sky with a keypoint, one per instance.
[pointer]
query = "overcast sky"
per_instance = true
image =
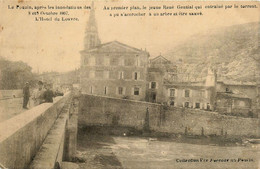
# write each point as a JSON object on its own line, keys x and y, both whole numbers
{"x": 55, "y": 46}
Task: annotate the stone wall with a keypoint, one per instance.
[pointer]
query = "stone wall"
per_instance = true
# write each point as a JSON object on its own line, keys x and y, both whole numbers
{"x": 96, "y": 110}
{"x": 22, "y": 136}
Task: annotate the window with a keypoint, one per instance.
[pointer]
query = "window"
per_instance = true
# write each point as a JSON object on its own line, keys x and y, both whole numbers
{"x": 105, "y": 90}
{"x": 206, "y": 94}
{"x": 135, "y": 75}
{"x": 137, "y": 60}
{"x": 120, "y": 90}
{"x": 153, "y": 85}
{"x": 136, "y": 91}
{"x": 106, "y": 61}
{"x": 187, "y": 93}
{"x": 171, "y": 103}
{"x": 172, "y": 92}
{"x": 114, "y": 61}
{"x": 92, "y": 61}
{"x": 121, "y": 75}
{"x": 99, "y": 74}
{"x": 197, "y": 105}
{"x": 92, "y": 74}
{"x": 122, "y": 62}
{"x": 186, "y": 104}
{"x": 242, "y": 104}
{"x": 85, "y": 61}
{"x": 106, "y": 74}
{"x": 129, "y": 62}
{"x": 99, "y": 60}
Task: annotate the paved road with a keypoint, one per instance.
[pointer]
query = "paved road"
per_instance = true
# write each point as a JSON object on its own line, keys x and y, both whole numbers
{"x": 12, "y": 107}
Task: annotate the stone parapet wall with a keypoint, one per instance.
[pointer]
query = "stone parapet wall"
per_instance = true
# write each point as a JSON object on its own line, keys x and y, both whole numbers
{"x": 22, "y": 136}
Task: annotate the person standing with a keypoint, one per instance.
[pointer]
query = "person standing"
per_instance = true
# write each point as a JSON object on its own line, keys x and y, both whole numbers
{"x": 26, "y": 95}
{"x": 38, "y": 94}
{"x": 48, "y": 94}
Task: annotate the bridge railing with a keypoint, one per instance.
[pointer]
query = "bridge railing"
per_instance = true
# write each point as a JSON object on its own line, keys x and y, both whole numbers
{"x": 22, "y": 136}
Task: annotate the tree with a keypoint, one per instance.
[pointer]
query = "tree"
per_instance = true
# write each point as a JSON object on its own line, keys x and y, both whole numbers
{"x": 13, "y": 75}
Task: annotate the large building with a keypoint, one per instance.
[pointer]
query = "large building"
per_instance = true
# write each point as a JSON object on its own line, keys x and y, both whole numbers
{"x": 112, "y": 69}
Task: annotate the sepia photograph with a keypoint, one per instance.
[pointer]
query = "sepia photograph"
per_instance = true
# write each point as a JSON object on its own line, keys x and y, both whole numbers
{"x": 122, "y": 84}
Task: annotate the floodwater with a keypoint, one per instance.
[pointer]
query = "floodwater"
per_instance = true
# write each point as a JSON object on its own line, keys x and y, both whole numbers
{"x": 104, "y": 151}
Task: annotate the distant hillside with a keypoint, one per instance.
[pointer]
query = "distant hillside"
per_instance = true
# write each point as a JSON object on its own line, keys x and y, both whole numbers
{"x": 233, "y": 51}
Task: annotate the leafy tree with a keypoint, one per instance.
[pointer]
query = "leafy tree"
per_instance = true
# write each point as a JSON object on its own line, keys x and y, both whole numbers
{"x": 13, "y": 75}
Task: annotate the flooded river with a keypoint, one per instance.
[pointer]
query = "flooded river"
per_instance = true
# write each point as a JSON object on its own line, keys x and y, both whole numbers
{"x": 104, "y": 151}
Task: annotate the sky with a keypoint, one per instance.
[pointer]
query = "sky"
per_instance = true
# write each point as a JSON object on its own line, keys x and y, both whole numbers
{"x": 55, "y": 46}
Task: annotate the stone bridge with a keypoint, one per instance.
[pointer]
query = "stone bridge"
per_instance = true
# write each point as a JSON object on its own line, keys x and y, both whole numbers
{"x": 45, "y": 137}
{"x": 42, "y": 137}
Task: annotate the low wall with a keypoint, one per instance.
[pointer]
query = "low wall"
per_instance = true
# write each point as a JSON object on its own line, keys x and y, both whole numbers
{"x": 197, "y": 122}
{"x": 22, "y": 136}
{"x": 97, "y": 110}
{"x": 51, "y": 153}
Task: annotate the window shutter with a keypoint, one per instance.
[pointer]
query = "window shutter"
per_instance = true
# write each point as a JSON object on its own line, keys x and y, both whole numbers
{"x": 138, "y": 76}
{"x": 133, "y": 75}
{"x": 140, "y": 90}
{"x": 124, "y": 90}
{"x": 205, "y": 105}
{"x": 123, "y": 75}
{"x": 132, "y": 91}
{"x": 150, "y": 85}
{"x": 194, "y": 104}
{"x": 176, "y": 93}
{"x": 201, "y": 106}
{"x": 190, "y": 93}
{"x": 106, "y": 90}
{"x": 156, "y": 85}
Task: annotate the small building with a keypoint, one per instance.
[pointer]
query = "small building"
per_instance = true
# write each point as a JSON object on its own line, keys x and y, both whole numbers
{"x": 247, "y": 92}
{"x": 190, "y": 95}
{"x": 235, "y": 104}
{"x": 165, "y": 87}
{"x": 160, "y": 70}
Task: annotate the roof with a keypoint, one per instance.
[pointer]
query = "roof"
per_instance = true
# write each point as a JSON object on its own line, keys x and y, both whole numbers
{"x": 160, "y": 57}
{"x": 234, "y": 95}
{"x": 236, "y": 83}
{"x": 194, "y": 85}
{"x": 115, "y": 43}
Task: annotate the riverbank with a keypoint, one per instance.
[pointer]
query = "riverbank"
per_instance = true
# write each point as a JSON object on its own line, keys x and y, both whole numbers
{"x": 224, "y": 140}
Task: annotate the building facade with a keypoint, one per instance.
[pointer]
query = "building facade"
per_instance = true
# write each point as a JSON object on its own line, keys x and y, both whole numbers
{"x": 165, "y": 87}
{"x": 112, "y": 69}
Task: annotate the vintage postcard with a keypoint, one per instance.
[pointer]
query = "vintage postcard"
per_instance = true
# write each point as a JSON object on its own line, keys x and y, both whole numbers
{"x": 129, "y": 84}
